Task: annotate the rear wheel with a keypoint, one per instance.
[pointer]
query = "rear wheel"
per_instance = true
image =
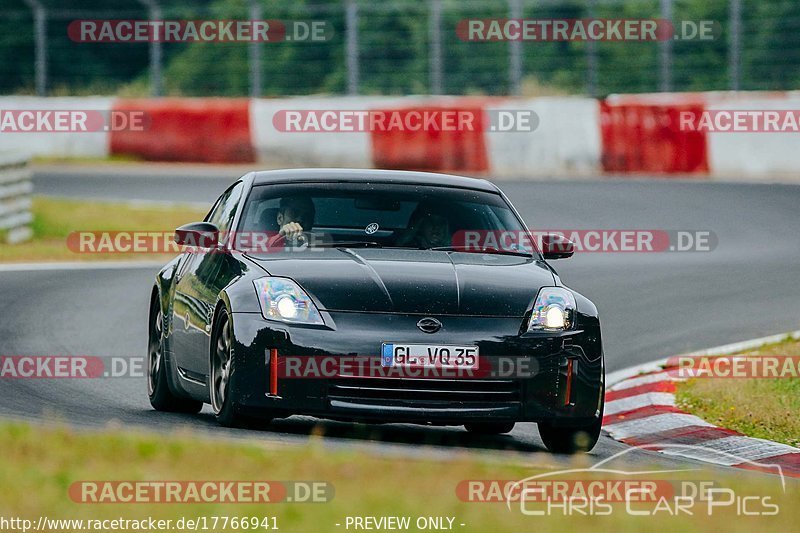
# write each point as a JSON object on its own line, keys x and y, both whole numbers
{"x": 489, "y": 428}
{"x": 162, "y": 398}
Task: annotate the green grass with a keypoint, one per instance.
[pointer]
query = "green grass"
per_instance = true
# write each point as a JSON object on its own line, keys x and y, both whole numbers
{"x": 56, "y": 218}
{"x": 763, "y": 408}
{"x": 39, "y": 464}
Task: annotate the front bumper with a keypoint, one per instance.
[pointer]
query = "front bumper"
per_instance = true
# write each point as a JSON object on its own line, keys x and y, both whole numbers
{"x": 558, "y": 377}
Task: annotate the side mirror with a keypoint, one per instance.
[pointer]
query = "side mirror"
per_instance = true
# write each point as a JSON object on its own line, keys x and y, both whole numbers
{"x": 197, "y": 234}
{"x": 555, "y": 246}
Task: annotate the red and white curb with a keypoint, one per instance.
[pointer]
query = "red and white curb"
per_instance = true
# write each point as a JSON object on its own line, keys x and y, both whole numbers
{"x": 640, "y": 410}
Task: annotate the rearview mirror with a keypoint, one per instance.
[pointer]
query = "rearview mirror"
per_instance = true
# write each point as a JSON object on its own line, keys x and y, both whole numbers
{"x": 555, "y": 246}
{"x": 199, "y": 234}
{"x": 377, "y": 204}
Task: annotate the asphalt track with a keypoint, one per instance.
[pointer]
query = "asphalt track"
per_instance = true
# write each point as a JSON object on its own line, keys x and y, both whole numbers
{"x": 651, "y": 304}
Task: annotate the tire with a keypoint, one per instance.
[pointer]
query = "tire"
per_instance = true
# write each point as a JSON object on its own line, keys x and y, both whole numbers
{"x": 571, "y": 440}
{"x": 162, "y": 397}
{"x": 223, "y": 402}
{"x": 489, "y": 428}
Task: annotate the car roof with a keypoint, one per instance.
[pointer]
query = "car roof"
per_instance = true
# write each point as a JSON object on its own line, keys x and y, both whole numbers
{"x": 332, "y": 175}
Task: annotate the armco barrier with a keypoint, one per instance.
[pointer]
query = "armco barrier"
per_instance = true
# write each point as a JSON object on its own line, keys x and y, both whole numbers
{"x": 15, "y": 198}
{"x": 204, "y": 130}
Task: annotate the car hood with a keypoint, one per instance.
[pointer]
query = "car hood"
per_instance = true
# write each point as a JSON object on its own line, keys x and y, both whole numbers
{"x": 413, "y": 281}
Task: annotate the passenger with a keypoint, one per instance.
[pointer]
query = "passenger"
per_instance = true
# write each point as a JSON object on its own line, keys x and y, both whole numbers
{"x": 427, "y": 229}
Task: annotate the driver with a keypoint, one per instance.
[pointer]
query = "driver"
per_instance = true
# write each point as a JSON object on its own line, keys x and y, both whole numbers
{"x": 295, "y": 216}
{"x": 427, "y": 229}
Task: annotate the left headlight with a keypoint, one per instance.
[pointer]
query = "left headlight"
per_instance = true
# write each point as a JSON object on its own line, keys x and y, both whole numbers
{"x": 553, "y": 310}
{"x": 283, "y": 299}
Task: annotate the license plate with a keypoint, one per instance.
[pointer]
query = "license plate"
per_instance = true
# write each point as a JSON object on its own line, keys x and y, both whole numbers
{"x": 429, "y": 356}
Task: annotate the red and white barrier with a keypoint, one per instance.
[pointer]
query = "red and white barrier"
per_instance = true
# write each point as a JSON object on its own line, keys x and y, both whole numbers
{"x": 574, "y": 137}
{"x": 61, "y": 144}
{"x": 753, "y": 156}
{"x": 565, "y": 143}
{"x": 352, "y": 149}
{"x": 204, "y": 130}
{"x": 459, "y": 150}
{"x": 642, "y": 134}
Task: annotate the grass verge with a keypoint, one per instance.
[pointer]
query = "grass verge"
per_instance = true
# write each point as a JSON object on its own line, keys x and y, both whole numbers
{"x": 763, "y": 408}
{"x": 40, "y": 464}
{"x": 55, "y": 218}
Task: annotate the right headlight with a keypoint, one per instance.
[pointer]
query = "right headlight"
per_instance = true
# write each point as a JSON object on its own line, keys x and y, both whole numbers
{"x": 553, "y": 310}
{"x": 283, "y": 299}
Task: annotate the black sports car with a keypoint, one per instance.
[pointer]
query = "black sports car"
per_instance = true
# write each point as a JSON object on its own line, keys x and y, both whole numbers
{"x": 375, "y": 296}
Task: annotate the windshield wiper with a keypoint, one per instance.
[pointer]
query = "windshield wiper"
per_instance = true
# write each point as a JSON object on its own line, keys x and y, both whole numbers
{"x": 474, "y": 250}
{"x": 349, "y": 244}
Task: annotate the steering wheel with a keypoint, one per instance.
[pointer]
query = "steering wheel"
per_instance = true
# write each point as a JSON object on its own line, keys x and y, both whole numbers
{"x": 297, "y": 243}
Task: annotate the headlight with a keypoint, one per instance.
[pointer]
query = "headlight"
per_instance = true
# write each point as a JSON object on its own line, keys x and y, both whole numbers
{"x": 554, "y": 310}
{"x": 282, "y": 299}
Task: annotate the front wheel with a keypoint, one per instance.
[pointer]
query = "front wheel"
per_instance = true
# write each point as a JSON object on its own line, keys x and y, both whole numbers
{"x": 223, "y": 399}
{"x": 571, "y": 440}
{"x": 158, "y": 390}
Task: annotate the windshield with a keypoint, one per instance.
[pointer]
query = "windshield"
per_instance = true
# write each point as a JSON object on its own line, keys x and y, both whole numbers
{"x": 381, "y": 215}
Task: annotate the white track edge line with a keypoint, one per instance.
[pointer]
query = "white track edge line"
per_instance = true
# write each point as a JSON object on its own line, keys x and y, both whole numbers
{"x": 653, "y": 366}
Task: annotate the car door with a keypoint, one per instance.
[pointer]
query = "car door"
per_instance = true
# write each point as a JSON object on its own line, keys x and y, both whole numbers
{"x": 197, "y": 288}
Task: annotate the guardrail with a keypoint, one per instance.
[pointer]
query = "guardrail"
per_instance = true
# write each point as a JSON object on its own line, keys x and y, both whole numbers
{"x": 15, "y": 199}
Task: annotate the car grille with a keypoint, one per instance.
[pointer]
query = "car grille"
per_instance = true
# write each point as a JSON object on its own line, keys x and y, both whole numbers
{"x": 423, "y": 391}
